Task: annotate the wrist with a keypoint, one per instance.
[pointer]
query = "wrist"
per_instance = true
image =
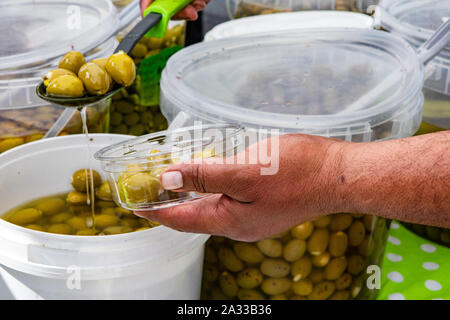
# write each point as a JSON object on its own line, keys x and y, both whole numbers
{"x": 339, "y": 164}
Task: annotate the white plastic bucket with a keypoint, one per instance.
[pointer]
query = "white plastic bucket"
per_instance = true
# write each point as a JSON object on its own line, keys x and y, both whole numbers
{"x": 158, "y": 263}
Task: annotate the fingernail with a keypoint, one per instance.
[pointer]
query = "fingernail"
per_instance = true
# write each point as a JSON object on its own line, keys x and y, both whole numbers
{"x": 172, "y": 180}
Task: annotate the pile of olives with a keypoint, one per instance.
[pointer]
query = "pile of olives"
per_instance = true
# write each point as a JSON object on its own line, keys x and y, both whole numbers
{"x": 248, "y": 8}
{"x": 74, "y": 77}
{"x": 127, "y": 116}
{"x": 19, "y": 126}
{"x": 71, "y": 214}
{"x": 322, "y": 259}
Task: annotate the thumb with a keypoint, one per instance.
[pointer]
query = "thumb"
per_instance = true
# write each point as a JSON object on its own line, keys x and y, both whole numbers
{"x": 235, "y": 181}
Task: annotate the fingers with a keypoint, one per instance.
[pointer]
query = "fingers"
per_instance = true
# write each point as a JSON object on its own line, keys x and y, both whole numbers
{"x": 209, "y": 215}
{"x": 188, "y": 13}
{"x": 235, "y": 181}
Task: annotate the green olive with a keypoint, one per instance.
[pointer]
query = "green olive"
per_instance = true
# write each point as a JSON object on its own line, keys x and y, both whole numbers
{"x": 131, "y": 119}
{"x": 60, "y": 228}
{"x": 51, "y": 206}
{"x": 76, "y": 198}
{"x": 116, "y": 118}
{"x": 101, "y": 62}
{"x": 72, "y": 61}
{"x": 95, "y": 79}
{"x": 79, "y": 179}
{"x": 117, "y": 230}
{"x": 121, "y": 68}
{"x": 139, "y": 187}
{"x": 105, "y": 221}
{"x": 10, "y": 143}
{"x": 66, "y": 86}
{"x": 137, "y": 130}
{"x": 139, "y": 51}
{"x": 55, "y": 73}
{"x": 104, "y": 191}
{"x": 25, "y": 216}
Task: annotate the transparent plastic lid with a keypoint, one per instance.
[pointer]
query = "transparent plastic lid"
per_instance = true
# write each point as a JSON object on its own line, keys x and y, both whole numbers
{"x": 289, "y": 21}
{"x": 35, "y": 32}
{"x": 319, "y": 81}
{"x": 416, "y": 18}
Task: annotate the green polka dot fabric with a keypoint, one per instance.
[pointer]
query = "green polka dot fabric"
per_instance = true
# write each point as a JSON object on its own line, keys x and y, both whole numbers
{"x": 414, "y": 268}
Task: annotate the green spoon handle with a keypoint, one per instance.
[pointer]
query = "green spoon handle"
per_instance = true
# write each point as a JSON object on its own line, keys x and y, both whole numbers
{"x": 167, "y": 9}
{"x": 155, "y": 22}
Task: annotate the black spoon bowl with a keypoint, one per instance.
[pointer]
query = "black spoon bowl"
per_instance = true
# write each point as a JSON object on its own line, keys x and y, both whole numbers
{"x": 127, "y": 44}
{"x": 41, "y": 91}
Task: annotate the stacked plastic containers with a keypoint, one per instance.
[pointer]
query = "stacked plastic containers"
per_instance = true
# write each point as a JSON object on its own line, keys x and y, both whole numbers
{"x": 326, "y": 82}
{"x": 415, "y": 21}
{"x": 35, "y": 36}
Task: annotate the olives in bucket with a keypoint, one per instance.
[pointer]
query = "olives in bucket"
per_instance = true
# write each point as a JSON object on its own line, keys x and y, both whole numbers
{"x": 74, "y": 78}
{"x": 78, "y": 212}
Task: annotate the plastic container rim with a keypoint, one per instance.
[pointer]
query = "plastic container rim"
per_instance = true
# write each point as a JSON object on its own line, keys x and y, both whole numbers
{"x": 100, "y": 155}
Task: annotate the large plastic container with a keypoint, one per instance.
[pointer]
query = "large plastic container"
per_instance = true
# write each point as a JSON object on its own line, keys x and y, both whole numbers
{"x": 158, "y": 263}
{"x": 415, "y": 21}
{"x": 317, "y": 81}
{"x": 35, "y": 35}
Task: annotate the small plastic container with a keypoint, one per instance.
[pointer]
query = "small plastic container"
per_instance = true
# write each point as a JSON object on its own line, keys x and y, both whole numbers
{"x": 133, "y": 167}
{"x": 158, "y": 263}
{"x": 327, "y": 82}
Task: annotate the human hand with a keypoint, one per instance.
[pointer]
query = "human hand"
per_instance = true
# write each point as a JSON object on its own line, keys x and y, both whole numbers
{"x": 188, "y": 13}
{"x": 248, "y": 206}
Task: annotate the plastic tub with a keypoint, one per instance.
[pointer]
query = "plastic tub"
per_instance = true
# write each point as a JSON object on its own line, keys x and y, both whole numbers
{"x": 315, "y": 81}
{"x": 158, "y": 263}
{"x": 24, "y": 60}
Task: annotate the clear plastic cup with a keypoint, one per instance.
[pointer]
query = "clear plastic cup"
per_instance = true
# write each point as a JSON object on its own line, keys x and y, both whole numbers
{"x": 133, "y": 168}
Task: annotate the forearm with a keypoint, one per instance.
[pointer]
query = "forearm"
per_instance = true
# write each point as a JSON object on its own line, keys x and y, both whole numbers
{"x": 407, "y": 179}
